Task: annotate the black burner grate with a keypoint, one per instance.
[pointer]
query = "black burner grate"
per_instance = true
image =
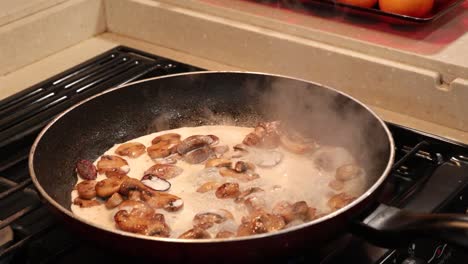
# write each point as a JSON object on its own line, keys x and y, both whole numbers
{"x": 24, "y": 114}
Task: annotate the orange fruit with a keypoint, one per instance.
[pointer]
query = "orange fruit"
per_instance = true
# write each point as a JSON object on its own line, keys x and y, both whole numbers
{"x": 361, "y": 3}
{"x": 417, "y": 8}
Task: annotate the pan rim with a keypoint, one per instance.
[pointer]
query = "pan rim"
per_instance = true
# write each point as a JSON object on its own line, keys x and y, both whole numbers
{"x": 338, "y": 212}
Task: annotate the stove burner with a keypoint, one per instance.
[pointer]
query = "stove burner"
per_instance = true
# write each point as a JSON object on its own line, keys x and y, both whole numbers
{"x": 431, "y": 174}
{"x": 6, "y": 236}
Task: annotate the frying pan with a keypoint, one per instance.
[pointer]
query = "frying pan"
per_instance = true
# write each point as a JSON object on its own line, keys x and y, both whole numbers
{"x": 89, "y": 128}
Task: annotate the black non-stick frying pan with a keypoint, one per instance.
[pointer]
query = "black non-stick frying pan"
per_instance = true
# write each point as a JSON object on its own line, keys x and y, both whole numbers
{"x": 86, "y": 130}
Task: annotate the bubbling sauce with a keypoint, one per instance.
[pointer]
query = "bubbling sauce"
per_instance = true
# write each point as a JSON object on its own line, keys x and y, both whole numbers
{"x": 298, "y": 177}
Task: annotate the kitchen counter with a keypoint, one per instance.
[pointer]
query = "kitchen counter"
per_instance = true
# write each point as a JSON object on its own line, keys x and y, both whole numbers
{"x": 413, "y": 94}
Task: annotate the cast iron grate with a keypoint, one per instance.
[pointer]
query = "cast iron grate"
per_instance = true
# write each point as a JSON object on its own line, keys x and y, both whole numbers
{"x": 24, "y": 114}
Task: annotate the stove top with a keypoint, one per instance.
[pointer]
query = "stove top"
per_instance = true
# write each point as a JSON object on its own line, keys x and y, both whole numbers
{"x": 431, "y": 174}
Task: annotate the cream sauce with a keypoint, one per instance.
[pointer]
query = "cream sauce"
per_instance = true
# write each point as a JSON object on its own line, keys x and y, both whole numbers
{"x": 296, "y": 178}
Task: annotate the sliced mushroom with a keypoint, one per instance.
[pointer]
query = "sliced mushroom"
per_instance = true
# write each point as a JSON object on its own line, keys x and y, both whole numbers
{"x": 141, "y": 219}
{"x": 115, "y": 174}
{"x": 208, "y": 186}
{"x": 254, "y": 204}
{"x": 86, "y": 189}
{"x": 131, "y": 149}
{"x": 207, "y": 220}
{"x": 131, "y": 184}
{"x": 162, "y": 149}
{"x": 291, "y": 212}
{"x": 155, "y": 183}
{"x": 86, "y": 169}
{"x": 263, "y": 223}
{"x": 242, "y": 176}
{"x": 171, "y": 138}
{"x": 295, "y": 146}
{"x": 340, "y": 200}
{"x": 228, "y": 190}
{"x": 112, "y": 163}
{"x": 83, "y": 203}
{"x": 166, "y": 201}
{"x": 218, "y": 162}
{"x": 114, "y": 201}
{"x": 134, "y": 195}
{"x": 220, "y": 150}
{"x": 243, "y": 166}
{"x": 164, "y": 171}
{"x": 251, "y": 139}
{"x": 198, "y": 155}
{"x": 194, "y": 142}
{"x": 347, "y": 172}
{"x": 195, "y": 233}
{"x": 336, "y": 185}
{"x": 241, "y": 198}
{"x": 109, "y": 186}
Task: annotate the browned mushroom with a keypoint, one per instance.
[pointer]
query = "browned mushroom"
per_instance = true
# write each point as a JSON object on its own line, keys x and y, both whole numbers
{"x": 83, "y": 203}
{"x": 208, "y": 186}
{"x": 112, "y": 163}
{"x": 109, "y": 186}
{"x": 262, "y": 223}
{"x": 291, "y": 212}
{"x": 195, "y": 142}
{"x": 131, "y": 149}
{"x": 195, "y": 233}
{"x": 171, "y": 138}
{"x": 162, "y": 149}
{"x": 225, "y": 234}
{"x": 199, "y": 155}
{"x": 207, "y": 220}
{"x": 244, "y": 194}
{"x": 141, "y": 219}
{"x": 347, "y": 172}
{"x": 218, "y": 162}
{"x": 164, "y": 171}
{"x": 166, "y": 201}
{"x": 86, "y": 169}
{"x": 242, "y": 176}
{"x": 86, "y": 189}
{"x": 340, "y": 200}
{"x": 114, "y": 201}
{"x": 243, "y": 166}
{"x": 228, "y": 190}
{"x": 336, "y": 185}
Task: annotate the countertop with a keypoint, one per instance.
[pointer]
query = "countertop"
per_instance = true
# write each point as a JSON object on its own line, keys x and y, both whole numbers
{"x": 86, "y": 49}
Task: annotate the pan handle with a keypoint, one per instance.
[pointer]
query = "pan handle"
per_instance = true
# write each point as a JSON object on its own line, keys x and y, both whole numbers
{"x": 391, "y": 227}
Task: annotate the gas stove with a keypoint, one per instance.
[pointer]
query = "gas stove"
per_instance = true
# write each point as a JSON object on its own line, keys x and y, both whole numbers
{"x": 431, "y": 174}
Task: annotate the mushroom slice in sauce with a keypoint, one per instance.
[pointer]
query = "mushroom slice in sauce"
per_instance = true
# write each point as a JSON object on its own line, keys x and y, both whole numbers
{"x": 86, "y": 189}
{"x": 195, "y": 142}
{"x": 115, "y": 200}
{"x": 241, "y": 198}
{"x": 86, "y": 169}
{"x": 262, "y": 223}
{"x": 295, "y": 146}
{"x": 347, "y": 172}
{"x": 243, "y": 166}
{"x": 195, "y": 233}
{"x": 141, "y": 219}
{"x": 166, "y": 201}
{"x": 155, "y": 183}
{"x": 207, "y": 220}
{"x": 164, "y": 171}
{"x": 112, "y": 163}
{"x": 220, "y": 150}
{"x": 242, "y": 176}
{"x": 336, "y": 185}
{"x": 109, "y": 186}
{"x": 228, "y": 190}
{"x": 291, "y": 212}
{"x": 131, "y": 149}
{"x": 84, "y": 203}
{"x": 198, "y": 155}
{"x": 208, "y": 186}
{"x": 340, "y": 200}
{"x": 218, "y": 162}
{"x": 171, "y": 138}
{"x": 162, "y": 149}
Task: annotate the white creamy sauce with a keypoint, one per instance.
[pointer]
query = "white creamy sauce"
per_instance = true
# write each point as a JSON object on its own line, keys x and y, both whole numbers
{"x": 295, "y": 178}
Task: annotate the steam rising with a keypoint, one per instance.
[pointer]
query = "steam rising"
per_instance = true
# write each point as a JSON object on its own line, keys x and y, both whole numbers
{"x": 316, "y": 112}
